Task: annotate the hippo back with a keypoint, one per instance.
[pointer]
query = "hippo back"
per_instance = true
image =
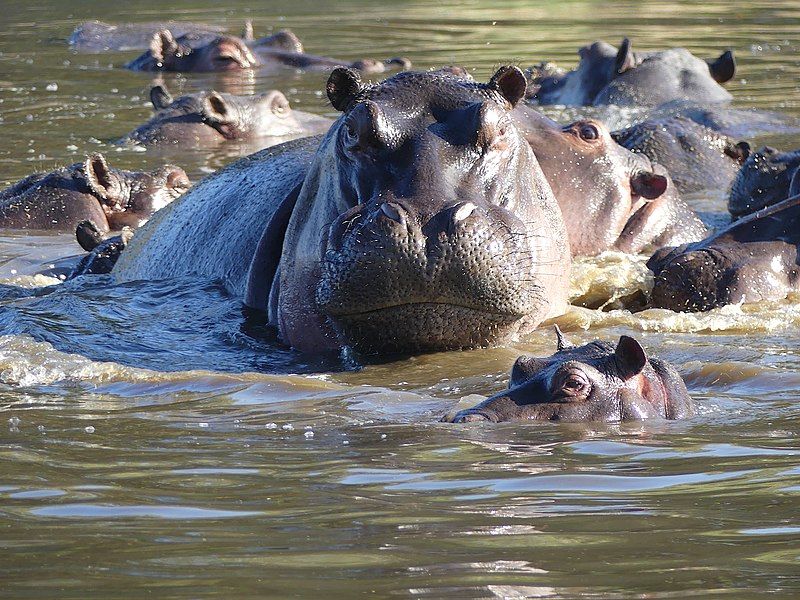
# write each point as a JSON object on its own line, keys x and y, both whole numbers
{"x": 213, "y": 230}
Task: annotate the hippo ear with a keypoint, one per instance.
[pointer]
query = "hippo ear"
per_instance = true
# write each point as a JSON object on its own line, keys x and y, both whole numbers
{"x": 163, "y": 45}
{"x": 630, "y": 357}
{"x": 738, "y": 152}
{"x": 563, "y": 343}
{"x": 278, "y": 103}
{"x": 524, "y": 368}
{"x": 625, "y": 60}
{"x": 724, "y": 68}
{"x": 648, "y": 185}
{"x": 215, "y": 108}
{"x": 794, "y": 186}
{"x": 88, "y": 235}
{"x": 160, "y": 97}
{"x": 247, "y": 31}
{"x": 511, "y": 82}
{"x": 343, "y": 86}
{"x": 102, "y": 181}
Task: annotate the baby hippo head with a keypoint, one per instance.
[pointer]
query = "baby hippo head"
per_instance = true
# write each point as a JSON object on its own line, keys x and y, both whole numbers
{"x": 129, "y": 198}
{"x": 595, "y": 382}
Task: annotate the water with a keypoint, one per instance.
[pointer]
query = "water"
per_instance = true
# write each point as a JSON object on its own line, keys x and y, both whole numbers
{"x": 150, "y": 447}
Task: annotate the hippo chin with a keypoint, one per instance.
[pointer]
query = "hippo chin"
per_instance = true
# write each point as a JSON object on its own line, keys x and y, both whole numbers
{"x": 608, "y": 75}
{"x": 752, "y": 260}
{"x": 92, "y": 190}
{"x": 207, "y": 118}
{"x": 610, "y": 197}
{"x": 594, "y": 382}
{"x": 763, "y": 180}
{"x": 696, "y": 157}
{"x": 421, "y": 221}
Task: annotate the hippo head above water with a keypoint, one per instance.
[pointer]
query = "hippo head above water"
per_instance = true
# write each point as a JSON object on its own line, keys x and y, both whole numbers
{"x": 424, "y": 222}
{"x": 223, "y": 53}
{"x": 594, "y": 382}
{"x": 207, "y": 117}
{"x": 609, "y": 75}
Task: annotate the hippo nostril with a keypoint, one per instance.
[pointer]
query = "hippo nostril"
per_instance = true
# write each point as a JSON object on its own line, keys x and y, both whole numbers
{"x": 392, "y": 211}
{"x": 463, "y": 211}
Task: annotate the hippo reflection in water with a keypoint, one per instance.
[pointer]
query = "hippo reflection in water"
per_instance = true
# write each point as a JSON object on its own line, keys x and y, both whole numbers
{"x": 609, "y": 75}
{"x": 205, "y": 118}
{"x": 230, "y": 53}
{"x": 111, "y": 198}
{"x": 594, "y": 382}
{"x": 421, "y": 221}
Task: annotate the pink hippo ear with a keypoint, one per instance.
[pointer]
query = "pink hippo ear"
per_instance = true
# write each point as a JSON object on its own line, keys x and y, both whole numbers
{"x": 103, "y": 182}
{"x": 648, "y": 185}
{"x": 625, "y": 59}
{"x": 163, "y": 46}
{"x": 630, "y": 357}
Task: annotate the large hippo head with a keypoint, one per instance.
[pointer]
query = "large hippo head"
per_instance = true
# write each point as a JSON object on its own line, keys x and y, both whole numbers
{"x": 207, "y": 117}
{"x": 424, "y": 222}
{"x": 763, "y": 180}
{"x": 223, "y": 53}
{"x": 601, "y": 187}
{"x": 609, "y": 75}
{"x": 595, "y": 382}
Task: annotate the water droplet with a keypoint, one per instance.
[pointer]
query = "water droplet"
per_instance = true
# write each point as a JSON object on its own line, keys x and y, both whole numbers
{"x": 52, "y": 87}
{"x": 271, "y": 425}
{"x": 89, "y": 429}
{"x": 308, "y": 435}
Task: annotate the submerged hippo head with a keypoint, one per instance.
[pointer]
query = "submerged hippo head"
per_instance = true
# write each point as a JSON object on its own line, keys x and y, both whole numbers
{"x": 111, "y": 197}
{"x": 207, "y": 117}
{"x": 763, "y": 180}
{"x": 609, "y": 75}
{"x": 595, "y": 382}
{"x": 601, "y": 187}
{"x": 223, "y": 53}
{"x": 424, "y": 222}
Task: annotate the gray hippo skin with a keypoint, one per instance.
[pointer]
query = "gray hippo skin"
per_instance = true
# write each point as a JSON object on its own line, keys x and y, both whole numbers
{"x": 230, "y": 53}
{"x": 419, "y": 222}
{"x": 610, "y": 197}
{"x": 752, "y": 260}
{"x": 203, "y": 119}
{"x": 103, "y": 252}
{"x": 763, "y": 180}
{"x": 594, "y": 382}
{"x": 92, "y": 190}
{"x": 696, "y": 157}
{"x": 96, "y": 36}
{"x": 607, "y": 75}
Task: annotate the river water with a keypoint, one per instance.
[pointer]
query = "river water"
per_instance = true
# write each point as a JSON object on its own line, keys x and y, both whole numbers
{"x": 150, "y": 448}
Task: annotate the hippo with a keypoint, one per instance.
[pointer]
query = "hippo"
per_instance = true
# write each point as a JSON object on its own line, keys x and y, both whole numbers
{"x": 752, "y": 260}
{"x": 608, "y": 75}
{"x": 230, "y": 53}
{"x": 205, "y": 118}
{"x": 96, "y": 36}
{"x": 763, "y": 180}
{"x": 419, "y": 222}
{"x": 103, "y": 251}
{"x": 610, "y": 197}
{"x": 594, "y": 382}
{"x": 91, "y": 190}
{"x": 696, "y": 157}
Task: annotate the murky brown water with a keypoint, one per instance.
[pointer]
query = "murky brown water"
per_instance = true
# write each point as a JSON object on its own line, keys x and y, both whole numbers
{"x": 148, "y": 447}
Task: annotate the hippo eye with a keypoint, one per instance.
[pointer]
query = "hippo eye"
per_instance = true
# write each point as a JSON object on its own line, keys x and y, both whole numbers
{"x": 588, "y": 132}
{"x": 573, "y": 384}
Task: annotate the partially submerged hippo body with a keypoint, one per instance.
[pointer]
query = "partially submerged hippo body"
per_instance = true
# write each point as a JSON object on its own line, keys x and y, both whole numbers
{"x": 419, "y": 222}
{"x": 763, "y": 180}
{"x": 92, "y": 190}
{"x": 96, "y": 36}
{"x": 696, "y": 157}
{"x": 103, "y": 252}
{"x": 231, "y": 53}
{"x": 207, "y": 118}
{"x": 608, "y": 75}
{"x": 754, "y": 259}
{"x": 610, "y": 197}
{"x": 594, "y": 382}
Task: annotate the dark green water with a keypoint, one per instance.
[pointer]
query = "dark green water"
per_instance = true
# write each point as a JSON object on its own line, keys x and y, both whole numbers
{"x": 149, "y": 449}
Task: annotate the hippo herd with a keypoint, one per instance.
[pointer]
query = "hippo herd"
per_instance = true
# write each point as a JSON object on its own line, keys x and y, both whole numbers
{"x": 438, "y": 212}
